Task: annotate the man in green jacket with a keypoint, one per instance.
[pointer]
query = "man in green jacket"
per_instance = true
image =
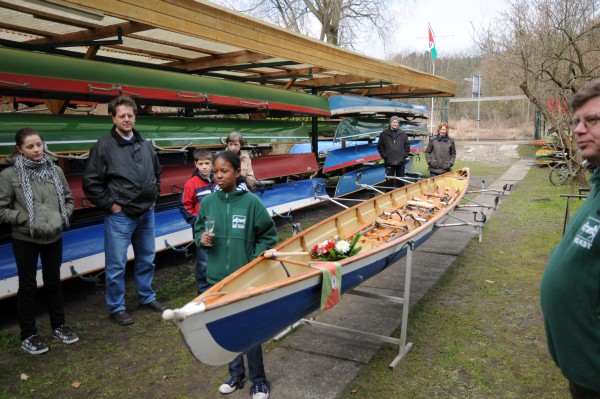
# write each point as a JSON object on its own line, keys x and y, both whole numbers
{"x": 570, "y": 291}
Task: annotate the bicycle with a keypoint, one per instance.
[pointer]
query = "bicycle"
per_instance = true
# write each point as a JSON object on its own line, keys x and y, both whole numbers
{"x": 566, "y": 171}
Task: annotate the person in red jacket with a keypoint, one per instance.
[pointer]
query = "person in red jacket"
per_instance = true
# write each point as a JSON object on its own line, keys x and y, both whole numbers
{"x": 197, "y": 187}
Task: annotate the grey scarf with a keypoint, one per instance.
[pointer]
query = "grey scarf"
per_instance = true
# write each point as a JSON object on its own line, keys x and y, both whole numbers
{"x": 26, "y": 170}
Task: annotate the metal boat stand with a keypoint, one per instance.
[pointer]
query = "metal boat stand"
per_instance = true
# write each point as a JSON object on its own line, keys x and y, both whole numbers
{"x": 404, "y": 347}
{"x": 477, "y": 225}
{"x": 482, "y": 189}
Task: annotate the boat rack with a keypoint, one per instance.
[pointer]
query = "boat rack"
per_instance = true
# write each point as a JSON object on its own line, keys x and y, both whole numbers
{"x": 403, "y": 346}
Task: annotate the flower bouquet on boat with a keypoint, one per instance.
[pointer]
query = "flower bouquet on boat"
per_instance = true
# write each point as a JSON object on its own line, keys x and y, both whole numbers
{"x": 285, "y": 284}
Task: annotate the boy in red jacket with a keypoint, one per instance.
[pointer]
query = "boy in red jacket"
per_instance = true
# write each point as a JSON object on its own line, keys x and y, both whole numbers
{"x": 197, "y": 187}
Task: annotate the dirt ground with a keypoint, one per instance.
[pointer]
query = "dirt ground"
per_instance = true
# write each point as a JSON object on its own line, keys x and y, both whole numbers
{"x": 110, "y": 360}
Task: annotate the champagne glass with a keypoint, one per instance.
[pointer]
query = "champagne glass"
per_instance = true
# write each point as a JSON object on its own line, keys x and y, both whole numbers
{"x": 209, "y": 225}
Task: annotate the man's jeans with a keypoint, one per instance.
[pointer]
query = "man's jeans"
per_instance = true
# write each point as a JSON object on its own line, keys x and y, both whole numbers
{"x": 119, "y": 231}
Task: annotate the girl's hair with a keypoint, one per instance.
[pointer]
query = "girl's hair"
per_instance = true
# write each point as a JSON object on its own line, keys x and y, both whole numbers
{"x": 24, "y": 133}
{"x": 443, "y": 124}
{"x": 236, "y": 136}
{"x": 231, "y": 157}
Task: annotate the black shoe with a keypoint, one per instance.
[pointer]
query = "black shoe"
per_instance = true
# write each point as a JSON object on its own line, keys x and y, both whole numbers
{"x": 154, "y": 305}
{"x": 122, "y": 318}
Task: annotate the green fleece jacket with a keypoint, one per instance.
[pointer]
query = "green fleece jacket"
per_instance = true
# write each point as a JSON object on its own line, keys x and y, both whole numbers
{"x": 48, "y": 219}
{"x": 243, "y": 230}
{"x": 570, "y": 296}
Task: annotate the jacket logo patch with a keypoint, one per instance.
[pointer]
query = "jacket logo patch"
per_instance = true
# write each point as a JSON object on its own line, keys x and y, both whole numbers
{"x": 238, "y": 222}
{"x": 585, "y": 236}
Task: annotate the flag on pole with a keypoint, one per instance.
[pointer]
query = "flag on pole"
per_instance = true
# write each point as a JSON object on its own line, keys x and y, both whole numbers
{"x": 432, "y": 49}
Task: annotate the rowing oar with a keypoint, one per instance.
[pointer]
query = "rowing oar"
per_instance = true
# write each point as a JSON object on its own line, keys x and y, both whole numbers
{"x": 277, "y": 254}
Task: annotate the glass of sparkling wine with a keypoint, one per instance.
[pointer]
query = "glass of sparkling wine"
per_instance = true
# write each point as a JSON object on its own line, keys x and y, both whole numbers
{"x": 209, "y": 225}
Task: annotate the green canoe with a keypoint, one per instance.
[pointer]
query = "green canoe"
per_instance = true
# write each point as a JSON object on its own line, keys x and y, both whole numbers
{"x": 74, "y": 133}
{"x": 37, "y": 75}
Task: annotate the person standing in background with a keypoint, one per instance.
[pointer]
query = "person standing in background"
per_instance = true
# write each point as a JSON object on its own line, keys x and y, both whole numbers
{"x": 394, "y": 147}
{"x": 235, "y": 142}
{"x": 195, "y": 189}
{"x": 36, "y": 201}
{"x": 440, "y": 152}
{"x": 122, "y": 177}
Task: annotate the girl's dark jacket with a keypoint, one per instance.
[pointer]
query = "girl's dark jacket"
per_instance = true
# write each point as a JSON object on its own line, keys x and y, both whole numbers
{"x": 126, "y": 172}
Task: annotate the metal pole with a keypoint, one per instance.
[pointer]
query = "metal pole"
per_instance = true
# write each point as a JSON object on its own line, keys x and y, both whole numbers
{"x": 479, "y": 83}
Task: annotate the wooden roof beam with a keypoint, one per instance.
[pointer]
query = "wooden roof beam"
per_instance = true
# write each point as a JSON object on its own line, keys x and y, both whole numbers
{"x": 94, "y": 34}
{"x": 287, "y": 72}
{"x": 236, "y": 57}
{"x": 335, "y": 80}
{"x": 48, "y": 16}
{"x": 171, "y": 44}
{"x": 26, "y": 29}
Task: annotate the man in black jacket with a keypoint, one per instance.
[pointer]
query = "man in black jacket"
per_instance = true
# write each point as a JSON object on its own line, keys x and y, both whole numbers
{"x": 122, "y": 177}
{"x": 394, "y": 147}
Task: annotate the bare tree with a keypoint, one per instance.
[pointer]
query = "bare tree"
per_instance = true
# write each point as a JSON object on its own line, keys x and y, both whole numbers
{"x": 341, "y": 22}
{"x": 549, "y": 48}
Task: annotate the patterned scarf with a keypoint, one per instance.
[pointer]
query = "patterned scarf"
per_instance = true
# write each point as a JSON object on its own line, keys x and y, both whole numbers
{"x": 40, "y": 170}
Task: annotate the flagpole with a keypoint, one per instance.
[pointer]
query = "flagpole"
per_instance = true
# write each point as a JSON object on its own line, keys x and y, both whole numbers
{"x": 433, "y": 55}
{"x": 431, "y": 127}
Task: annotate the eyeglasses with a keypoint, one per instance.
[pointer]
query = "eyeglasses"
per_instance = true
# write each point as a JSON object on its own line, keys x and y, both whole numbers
{"x": 588, "y": 121}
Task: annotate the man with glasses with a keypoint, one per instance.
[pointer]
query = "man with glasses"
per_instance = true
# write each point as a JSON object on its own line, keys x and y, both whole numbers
{"x": 570, "y": 291}
{"x": 122, "y": 177}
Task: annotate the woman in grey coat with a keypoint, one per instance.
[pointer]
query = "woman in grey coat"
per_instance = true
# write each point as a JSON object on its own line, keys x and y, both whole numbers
{"x": 441, "y": 152}
{"x": 36, "y": 201}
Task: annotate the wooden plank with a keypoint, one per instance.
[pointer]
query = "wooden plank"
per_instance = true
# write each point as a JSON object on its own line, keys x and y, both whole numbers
{"x": 94, "y": 34}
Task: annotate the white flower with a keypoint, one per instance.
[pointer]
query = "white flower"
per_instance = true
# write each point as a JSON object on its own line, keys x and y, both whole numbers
{"x": 342, "y": 246}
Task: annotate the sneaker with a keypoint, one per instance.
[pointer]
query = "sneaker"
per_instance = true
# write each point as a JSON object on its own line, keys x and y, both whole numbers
{"x": 260, "y": 390}
{"x": 65, "y": 335}
{"x": 232, "y": 384}
{"x": 34, "y": 345}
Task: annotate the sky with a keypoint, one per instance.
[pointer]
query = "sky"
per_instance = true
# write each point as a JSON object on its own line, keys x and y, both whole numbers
{"x": 450, "y": 21}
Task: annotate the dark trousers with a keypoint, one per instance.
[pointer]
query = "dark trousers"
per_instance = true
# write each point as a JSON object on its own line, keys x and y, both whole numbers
{"x": 578, "y": 392}
{"x": 26, "y": 257}
{"x": 397, "y": 171}
{"x": 255, "y": 366}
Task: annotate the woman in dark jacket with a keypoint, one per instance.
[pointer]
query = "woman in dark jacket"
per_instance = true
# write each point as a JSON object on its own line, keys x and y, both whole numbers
{"x": 441, "y": 152}
{"x": 36, "y": 201}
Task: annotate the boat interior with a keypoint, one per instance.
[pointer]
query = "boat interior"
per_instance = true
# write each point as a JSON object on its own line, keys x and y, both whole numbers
{"x": 385, "y": 220}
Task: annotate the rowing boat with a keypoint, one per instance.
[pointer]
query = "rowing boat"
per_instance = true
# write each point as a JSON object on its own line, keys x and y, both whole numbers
{"x": 35, "y": 75}
{"x": 268, "y": 294}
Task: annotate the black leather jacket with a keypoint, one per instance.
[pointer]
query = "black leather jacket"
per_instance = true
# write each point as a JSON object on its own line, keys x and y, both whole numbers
{"x": 122, "y": 171}
{"x": 393, "y": 151}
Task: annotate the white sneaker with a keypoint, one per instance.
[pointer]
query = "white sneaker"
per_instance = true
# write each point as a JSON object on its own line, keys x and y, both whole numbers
{"x": 260, "y": 390}
{"x": 232, "y": 384}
